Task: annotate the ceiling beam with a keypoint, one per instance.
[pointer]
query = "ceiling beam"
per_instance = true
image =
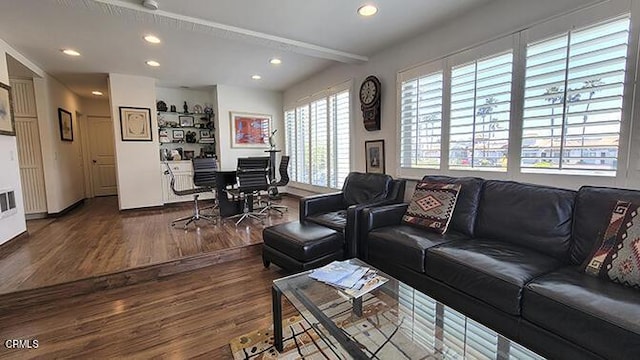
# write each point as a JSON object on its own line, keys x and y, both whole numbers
{"x": 116, "y": 7}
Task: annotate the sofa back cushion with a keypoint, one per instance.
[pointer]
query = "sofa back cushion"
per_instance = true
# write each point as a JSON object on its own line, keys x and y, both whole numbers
{"x": 464, "y": 215}
{"x": 533, "y": 216}
{"x": 592, "y": 216}
{"x": 360, "y": 188}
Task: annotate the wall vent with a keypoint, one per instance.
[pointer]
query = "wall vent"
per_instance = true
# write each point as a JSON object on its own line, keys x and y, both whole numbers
{"x": 7, "y": 203}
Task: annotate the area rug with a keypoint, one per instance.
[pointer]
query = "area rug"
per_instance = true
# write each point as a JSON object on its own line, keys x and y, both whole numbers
{"x": 377, "y": 329}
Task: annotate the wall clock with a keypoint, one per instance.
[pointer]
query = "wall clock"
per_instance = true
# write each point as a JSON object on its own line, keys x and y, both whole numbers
{"x": 370, "y": 102}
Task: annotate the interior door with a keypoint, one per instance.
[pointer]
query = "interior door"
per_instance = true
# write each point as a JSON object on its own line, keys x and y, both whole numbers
{"x": 102, "y": 152}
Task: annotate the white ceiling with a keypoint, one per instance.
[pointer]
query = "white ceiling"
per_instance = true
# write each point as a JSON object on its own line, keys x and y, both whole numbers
{"x": 206, "y": 42}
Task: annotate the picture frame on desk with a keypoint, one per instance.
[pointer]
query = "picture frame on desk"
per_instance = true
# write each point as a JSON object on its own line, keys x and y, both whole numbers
{"x": 250, "y": 130}
{"x": 135, "y": 124}
{"x": 205, "y": 134}
{"x": 7, "y": 119}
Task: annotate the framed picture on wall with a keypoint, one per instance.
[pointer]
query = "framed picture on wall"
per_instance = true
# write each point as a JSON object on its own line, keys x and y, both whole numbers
{"x": 66, "y": 125}
{"x": 186, "y": 121}
{"x": 7, "y": 122}
{"x": 374, "y": 155}
{"x": 135, "y": 124}
{"x": 250, "y": 130}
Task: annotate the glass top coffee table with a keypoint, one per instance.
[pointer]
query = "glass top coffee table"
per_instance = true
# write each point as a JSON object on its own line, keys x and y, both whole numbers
{"x": 393, "y": 321}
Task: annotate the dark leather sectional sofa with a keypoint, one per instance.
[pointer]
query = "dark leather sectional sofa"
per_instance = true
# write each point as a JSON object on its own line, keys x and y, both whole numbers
{"x": 511, "y": 260}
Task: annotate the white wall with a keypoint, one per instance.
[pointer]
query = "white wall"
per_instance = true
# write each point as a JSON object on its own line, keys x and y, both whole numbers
{"x": 137, "y": 162}
{"x": 492, "y": 21}
{"x": 10, "y": 173}
{"x": 95, "y": 107}
{"x": 62, "y": 160}
{"x": 238, "y": 99}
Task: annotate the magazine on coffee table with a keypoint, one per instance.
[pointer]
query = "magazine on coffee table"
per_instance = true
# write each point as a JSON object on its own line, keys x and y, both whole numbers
{"x": 352, "y": 280}
{"x": 369, "y": 282}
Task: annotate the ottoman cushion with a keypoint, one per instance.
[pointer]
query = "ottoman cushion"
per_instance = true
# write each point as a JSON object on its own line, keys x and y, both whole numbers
{"x": 303, "y": 241}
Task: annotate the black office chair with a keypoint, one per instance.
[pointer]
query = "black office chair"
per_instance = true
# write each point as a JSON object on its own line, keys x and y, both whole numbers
{"x": 273, "y": 187}
{"x": 204, "y": 175}
{"x": 252, "y": 179}
{"x": 195, "y": 191}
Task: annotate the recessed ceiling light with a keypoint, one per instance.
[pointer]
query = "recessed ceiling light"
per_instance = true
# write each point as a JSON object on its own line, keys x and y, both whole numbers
{"x": 256, "y": 77}
{"x": 152, "y": 39}
{"x": 275, "y": 61}
{"x": 153, "y": 63}
{"x": 367, "y": 10}
{"x": 97, "y": 93}
{"x": 70, "y": 52}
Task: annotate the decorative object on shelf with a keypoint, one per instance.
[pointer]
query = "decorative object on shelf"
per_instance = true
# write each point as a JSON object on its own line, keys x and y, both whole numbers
{"x": 164, "y": 154}
{"x": 164, "y": 136}
{"x": 185, "y": 108}
{"x": 249, "y": 130}
{"x": 209, "y": 151}
{"x": 374, "y": 155}
{"x": 176, "y": 154}
{"x": 370, "y": 91}
{"x": 177, "y": 134}
{"x": 66, "y": 125}
{"x": 272, "y": 139}
{"x": 161, "y": 106}
{"x": 188, "y": 154}
{"x": 7, "y": 121}
{"x": 186, "y": 121}
{"x": 191, "y": 137}
{"x": 173, "y": 108}
{"x": 135, "y": 124}
{"x": 197, "y": 109}
{"x": 162, "y": 122}
{"x": 208, "y": 110}
{"x": 205, "y": 133}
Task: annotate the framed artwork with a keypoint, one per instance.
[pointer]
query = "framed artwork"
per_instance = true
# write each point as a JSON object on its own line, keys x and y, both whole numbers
{"x": 178, "y": 134}
{"x": 205, "y": 133}
{"x": 250, "y": 130}
{"x": 374, "y": 155}
{"x": 66, "y": 125}
{"x": 7, "y": 121}
{"x": 135, "y": 124}
{"x": 186, "y": 121}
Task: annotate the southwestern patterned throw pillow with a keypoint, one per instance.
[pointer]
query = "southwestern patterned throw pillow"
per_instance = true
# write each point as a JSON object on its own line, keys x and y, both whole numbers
{"x": 432, "y": 205}
{"x": 617, "y": 255}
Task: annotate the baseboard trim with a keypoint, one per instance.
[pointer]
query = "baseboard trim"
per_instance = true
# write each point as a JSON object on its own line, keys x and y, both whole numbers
{"x": 68, "y": 209}
{"x": 31, "y": 297}
{"x": 6, "y": 246}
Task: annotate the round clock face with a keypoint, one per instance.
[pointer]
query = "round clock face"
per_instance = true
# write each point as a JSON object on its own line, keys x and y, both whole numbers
{"x": 368, "y": 92}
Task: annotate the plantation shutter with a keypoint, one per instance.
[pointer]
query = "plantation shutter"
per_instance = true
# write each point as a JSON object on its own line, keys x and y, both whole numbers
{"x": 574, "y": 87}
{"x": 340, "y": 156}
{"x": 290, "y": 143}
{"x": 319, "y": 137}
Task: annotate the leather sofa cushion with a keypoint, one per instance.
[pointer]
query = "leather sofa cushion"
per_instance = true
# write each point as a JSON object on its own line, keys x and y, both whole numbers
{"x": 303, "y": 241}
{"x": 489, "y": 270}
{"x": 599, "y": 315}
{"x": 591, "y": 217}
{"x": 463, "y": 219}
{"x": 336, "y": 220}
{"x": 533, "y": 216}
{"x": 359, "y": 188}
{"x": 405, "y": 245}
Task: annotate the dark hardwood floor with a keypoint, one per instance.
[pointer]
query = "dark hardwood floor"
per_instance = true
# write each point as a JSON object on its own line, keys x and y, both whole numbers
{"x": 96, "y": 239}
{"x": 187, "y": 315}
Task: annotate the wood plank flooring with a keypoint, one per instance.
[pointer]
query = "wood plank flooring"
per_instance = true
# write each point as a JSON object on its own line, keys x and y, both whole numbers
{"x": 187, "y": 315}
{"x": 96, "y": 239}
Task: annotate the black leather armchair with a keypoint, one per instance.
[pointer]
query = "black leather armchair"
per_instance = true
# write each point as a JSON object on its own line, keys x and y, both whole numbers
{"x": 341, "y": 211}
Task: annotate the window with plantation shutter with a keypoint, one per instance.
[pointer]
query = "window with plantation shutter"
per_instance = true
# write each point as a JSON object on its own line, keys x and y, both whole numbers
{"x": 421, "y": 121}
{"x": 290, "y": 142}
{"x": 318, "y": 140}
{"x": 480, "y": 113}
{"x": 340, "y": 143}
{"x": 574, "y": 87}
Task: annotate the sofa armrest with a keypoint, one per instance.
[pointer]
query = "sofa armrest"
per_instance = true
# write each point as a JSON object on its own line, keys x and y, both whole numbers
{"x": 321, "y": 203}
{"x": 377, "y": 217}
{"x": 353, "y": 232}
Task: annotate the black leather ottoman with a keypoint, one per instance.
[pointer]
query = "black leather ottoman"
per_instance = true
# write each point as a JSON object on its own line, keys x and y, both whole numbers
{"x": 301, "y": 246}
